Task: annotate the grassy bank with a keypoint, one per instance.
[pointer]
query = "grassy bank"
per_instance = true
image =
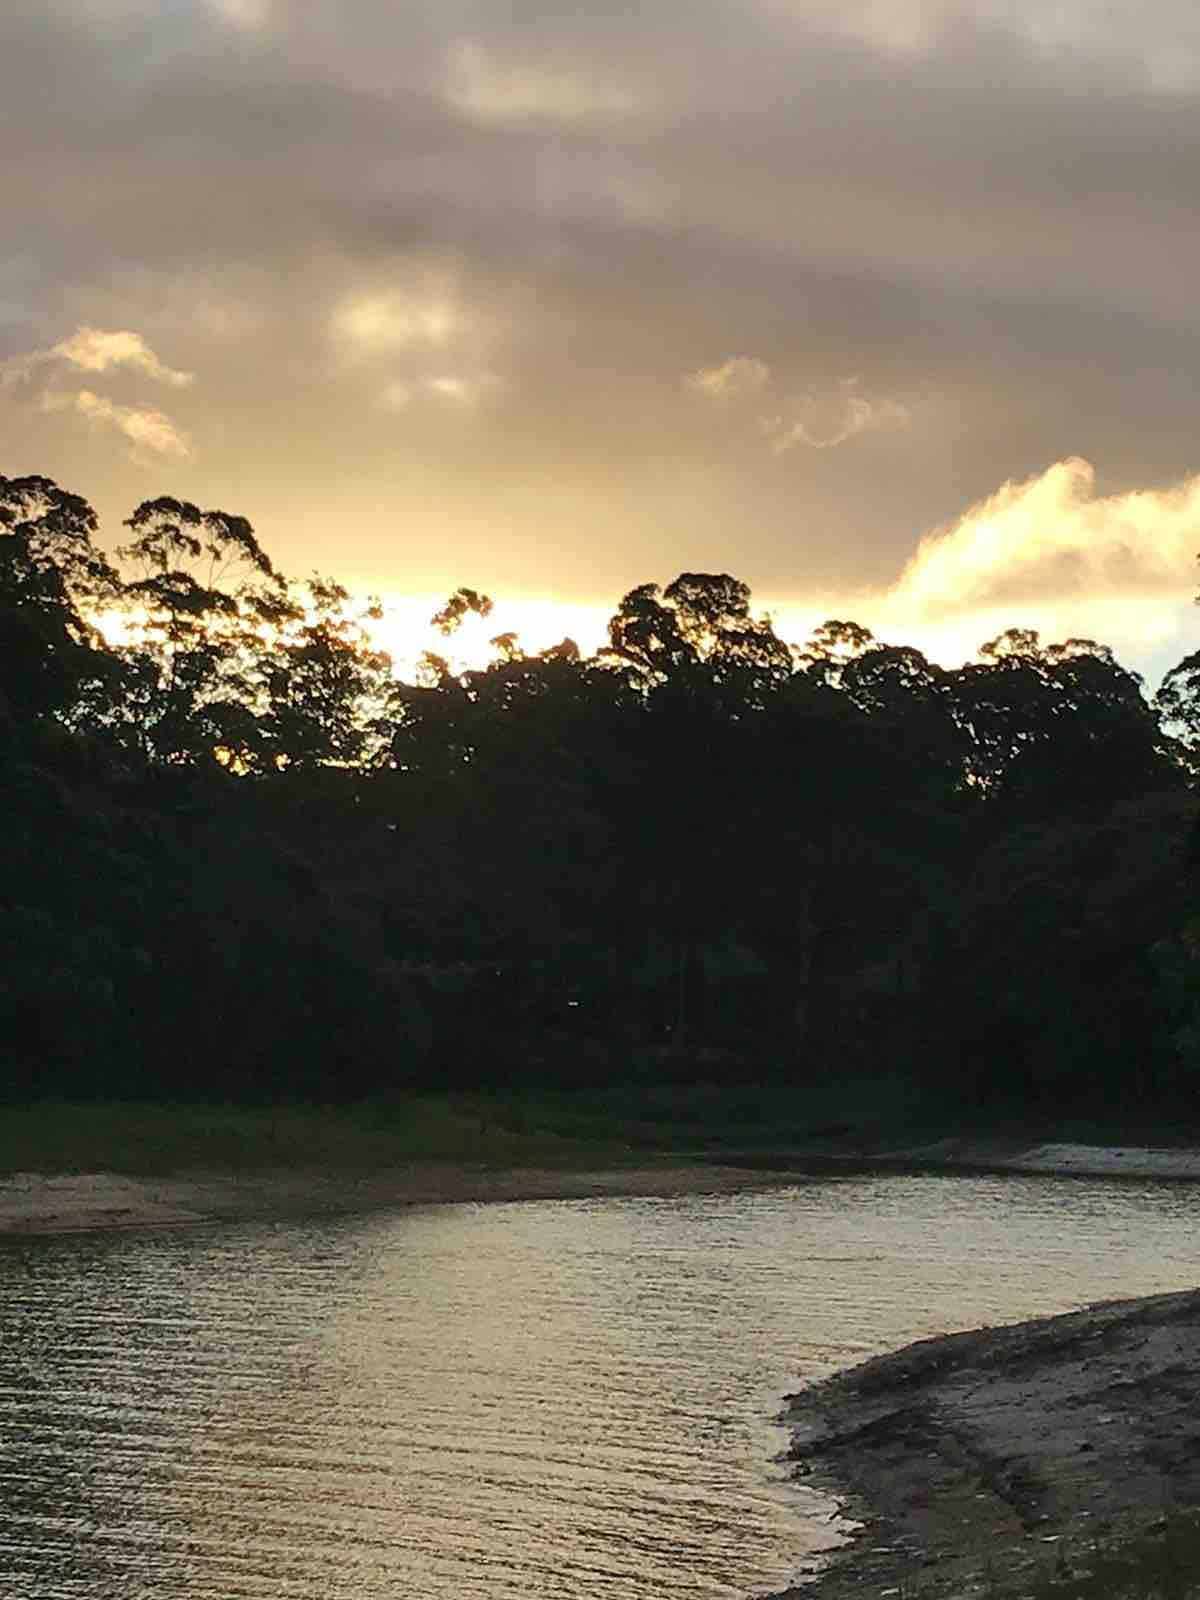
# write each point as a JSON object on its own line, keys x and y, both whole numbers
{"x": 524, "y": 1125}
{"x": 615, "y": 1125}
{"x": 611, "y": 1126}
{"x": 835, "y": 1116}
{"x": 153, "y": 1140}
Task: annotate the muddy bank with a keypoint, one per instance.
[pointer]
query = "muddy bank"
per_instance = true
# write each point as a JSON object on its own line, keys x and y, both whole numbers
{"x": 1060, "y": 1159}
{"x": 33, "y": 1203}
{"x": 973, "y": 1458}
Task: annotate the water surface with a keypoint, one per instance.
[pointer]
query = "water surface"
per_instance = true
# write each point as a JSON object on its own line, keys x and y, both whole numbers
{"x": 550, "y": 1399}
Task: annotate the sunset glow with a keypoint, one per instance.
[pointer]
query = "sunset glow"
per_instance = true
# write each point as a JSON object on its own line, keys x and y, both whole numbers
{"x": 405, "y": 630}
{"x": 560, "y": 311}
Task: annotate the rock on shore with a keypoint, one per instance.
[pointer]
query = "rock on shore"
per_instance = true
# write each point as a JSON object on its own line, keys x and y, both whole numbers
{"x": 981, "y": 1455}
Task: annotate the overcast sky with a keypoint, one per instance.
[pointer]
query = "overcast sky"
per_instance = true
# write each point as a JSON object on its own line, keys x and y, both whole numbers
{"x": 887, "y": 306}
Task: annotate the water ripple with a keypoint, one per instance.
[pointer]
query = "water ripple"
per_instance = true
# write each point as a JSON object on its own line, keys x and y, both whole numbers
{"x": 540, "y": 1400}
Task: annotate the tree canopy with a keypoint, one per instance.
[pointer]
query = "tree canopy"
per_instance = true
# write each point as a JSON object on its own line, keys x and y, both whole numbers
{"x": 243, "y": 858}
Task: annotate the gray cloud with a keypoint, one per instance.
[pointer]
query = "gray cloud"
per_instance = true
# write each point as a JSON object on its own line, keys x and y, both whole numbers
{"x": 350, "y": 219}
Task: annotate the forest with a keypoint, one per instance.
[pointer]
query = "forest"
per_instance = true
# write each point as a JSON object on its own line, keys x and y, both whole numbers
{"x": 243, "y": 862}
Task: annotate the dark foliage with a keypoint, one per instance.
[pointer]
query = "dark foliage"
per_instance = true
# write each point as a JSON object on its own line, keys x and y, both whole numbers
{"x": 240, "y": 860}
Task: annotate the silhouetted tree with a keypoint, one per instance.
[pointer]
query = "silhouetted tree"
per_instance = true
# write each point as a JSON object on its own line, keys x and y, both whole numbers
{"x": 53, "y": 581}
{"x": 698, "y": 636}
{"x": 461, "y": 604}
{"x": 202, "y": 605}
{"x": 240, "y": 859}
{"x": 324, "y": 687}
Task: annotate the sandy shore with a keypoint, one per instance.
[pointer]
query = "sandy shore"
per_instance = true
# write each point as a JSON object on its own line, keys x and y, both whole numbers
{"x": 973, "y": 1459}
{"x": 33, "y": 1203}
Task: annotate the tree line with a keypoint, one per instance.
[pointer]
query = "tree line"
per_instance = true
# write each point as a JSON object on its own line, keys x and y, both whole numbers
{"x": 241, "y": 859}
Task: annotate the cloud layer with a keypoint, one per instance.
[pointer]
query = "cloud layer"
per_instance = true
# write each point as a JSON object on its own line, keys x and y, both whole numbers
{"x": 442, "y": 275}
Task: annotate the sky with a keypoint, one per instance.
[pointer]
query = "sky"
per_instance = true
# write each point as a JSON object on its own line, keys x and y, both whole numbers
{"x": 887, "y": 307}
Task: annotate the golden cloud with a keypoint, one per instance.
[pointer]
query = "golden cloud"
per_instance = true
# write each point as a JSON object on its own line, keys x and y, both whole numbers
{"x": 732, "y": 380}
{"x": 1052, "y": 537}
{"x": 146, "y": 428}
{"x": 98, "y": 350}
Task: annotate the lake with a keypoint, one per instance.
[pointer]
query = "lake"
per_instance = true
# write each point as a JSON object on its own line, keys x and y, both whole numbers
{"x": 549, "y": 1399}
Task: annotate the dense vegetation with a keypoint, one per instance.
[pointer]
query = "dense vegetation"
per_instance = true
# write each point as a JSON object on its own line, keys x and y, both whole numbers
{"x": 241, "y": 861}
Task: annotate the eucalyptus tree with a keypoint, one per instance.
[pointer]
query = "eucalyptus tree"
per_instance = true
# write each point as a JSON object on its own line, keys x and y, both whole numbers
{"x": 1060, "y": 726}
{"x": 703, "y": 670}
{"x": 54, "y": 585}
{"x": 1178, "y": 704}
{"x": 203, "y": 602}
{"x": 324, "y": 688}
{"x": 831, "y": 648}
{"x": 698, "y": 638}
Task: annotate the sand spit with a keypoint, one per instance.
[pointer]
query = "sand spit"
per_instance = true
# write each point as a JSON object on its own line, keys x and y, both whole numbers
{"x": 1064, "y": 1160}
{"x": 973, "y": 1459}
{"x": 33, "y": 1203}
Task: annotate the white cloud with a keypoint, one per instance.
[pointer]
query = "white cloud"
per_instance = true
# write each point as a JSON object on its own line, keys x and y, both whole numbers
{"x": 732, "y": 380}
{"x": 94, "y": 350}
{"x": 1052, "y": 537}
{"x": 97, "y": 350}
{"x": 146, "y": 428}
{"x": 826, "y": 422}
{"x": 820, "y": 422}
{"x": 1049, "y": 554}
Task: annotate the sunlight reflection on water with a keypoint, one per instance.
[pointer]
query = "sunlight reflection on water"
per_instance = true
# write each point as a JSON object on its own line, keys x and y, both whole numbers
{"x": 549, "y": 1399}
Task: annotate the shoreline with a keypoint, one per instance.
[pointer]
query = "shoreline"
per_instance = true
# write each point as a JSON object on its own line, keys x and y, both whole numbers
{"x": 979, "y": 1460}
{"x": 40, "y": 1203}
{"x": 1060, "y": 1158}
{"x": 35, "y": 1204}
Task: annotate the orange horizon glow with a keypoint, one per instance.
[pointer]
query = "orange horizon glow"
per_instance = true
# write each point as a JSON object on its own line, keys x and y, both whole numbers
{"x": 1135, "y": 626}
